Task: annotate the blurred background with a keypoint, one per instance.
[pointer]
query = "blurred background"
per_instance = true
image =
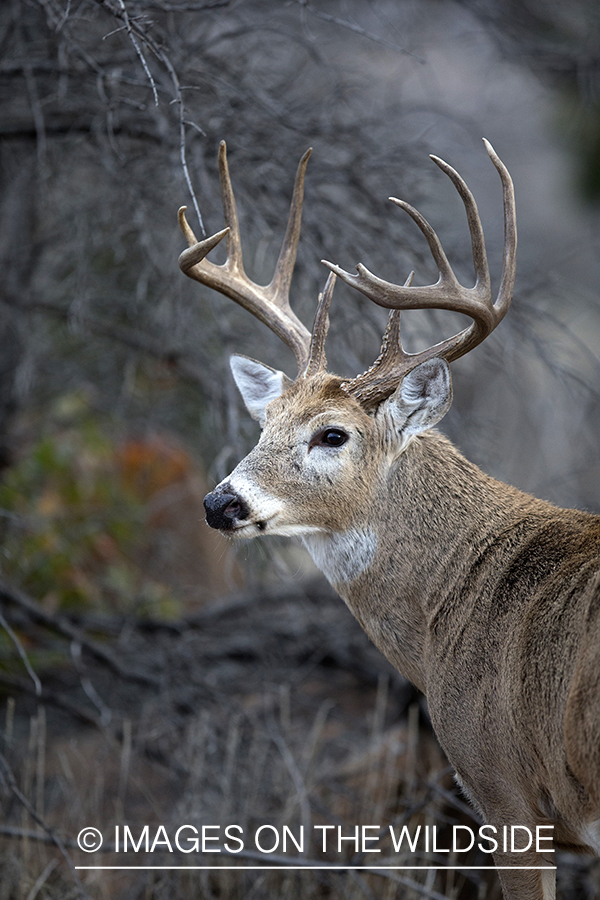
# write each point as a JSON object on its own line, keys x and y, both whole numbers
{"x": 118, "y": 411}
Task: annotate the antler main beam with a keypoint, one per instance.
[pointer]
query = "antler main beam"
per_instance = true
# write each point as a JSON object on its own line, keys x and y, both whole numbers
{"x": 394, "y": 362}
{"x": 270, "y": 303}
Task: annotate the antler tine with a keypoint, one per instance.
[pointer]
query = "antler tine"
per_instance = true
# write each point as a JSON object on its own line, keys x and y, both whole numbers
{"x": 233, "y": 238}
{"x": 270, "y": 304}
{"x": 372, "y": 386}
{"x": 280, "y": 283}
{"x": 317, "y": 361}
{"x": 509, "y": 258}
{"x": 384, "y": 376}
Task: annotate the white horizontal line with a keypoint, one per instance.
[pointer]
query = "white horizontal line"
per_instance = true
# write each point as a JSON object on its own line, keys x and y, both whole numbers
{"x": 315, "y": 868}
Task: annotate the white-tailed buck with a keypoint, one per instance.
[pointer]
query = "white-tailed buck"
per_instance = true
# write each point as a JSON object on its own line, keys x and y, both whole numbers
{"x": 486, "y": 598}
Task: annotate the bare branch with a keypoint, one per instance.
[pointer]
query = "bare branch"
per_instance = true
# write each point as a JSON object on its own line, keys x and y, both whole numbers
{"x": 54, "y": 698}
{"x": 62, "y": 625}
{"x": 135, "y": 29}
{"x": 138, "y": 50}
{"x": 357, "y": 29}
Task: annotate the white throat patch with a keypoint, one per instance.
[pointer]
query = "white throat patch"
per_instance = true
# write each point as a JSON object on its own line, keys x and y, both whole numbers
{"x": 342, "y": 556}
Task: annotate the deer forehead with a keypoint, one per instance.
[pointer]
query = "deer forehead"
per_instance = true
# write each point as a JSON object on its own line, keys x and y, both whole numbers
{"x": 301, "y": 425}
{"x": 311, "y": 393}
{"x": 314, "y": 402}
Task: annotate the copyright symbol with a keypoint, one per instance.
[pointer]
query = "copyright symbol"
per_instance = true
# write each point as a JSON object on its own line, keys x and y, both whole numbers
{"x": 89, "y": 840}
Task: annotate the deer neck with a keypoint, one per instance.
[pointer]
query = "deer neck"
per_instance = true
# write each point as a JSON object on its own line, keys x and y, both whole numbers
{"x": 422, "y": 532}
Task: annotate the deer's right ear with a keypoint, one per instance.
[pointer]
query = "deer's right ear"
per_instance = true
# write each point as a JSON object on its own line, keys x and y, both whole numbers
{"x": 258, "y": 384}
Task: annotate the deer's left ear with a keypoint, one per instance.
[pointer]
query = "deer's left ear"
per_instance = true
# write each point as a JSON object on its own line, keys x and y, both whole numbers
{"x": 258, "y": 384}
{"x": 421, "y": 399}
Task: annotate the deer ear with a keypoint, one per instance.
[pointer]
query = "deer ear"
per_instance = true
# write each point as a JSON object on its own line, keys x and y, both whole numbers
{"x": 422, "y": 398}
{"x": 258, "y": 384}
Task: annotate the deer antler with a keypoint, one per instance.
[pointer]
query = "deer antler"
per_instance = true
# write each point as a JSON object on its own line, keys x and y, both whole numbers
{"x": 382, "y": 378}
{"x": 270, "y": 304}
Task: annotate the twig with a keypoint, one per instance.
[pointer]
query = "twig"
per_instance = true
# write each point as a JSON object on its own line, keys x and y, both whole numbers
{"x": 195, "y": 127}
{"x": 64, "y": 627}
{"x": 88, "y": 687}
{"x": 358, "y": 29}
{"x": 185, "y": 6}
{"x": 182, "y": 150}
{"x": 52, "y": 697}
{"x": 22, "y": 654}
{"x": 41, "y": 880}
{"x": 7, "y": 776}
{"x": 292, "y": 767}
{"x": 16, "y": 832}
{"x": 34, "y": 98}
{"x": 139, "y": 31}
{"x": 138, "y": 50}
{"x": 65, "y": 16}
{"x": 36, "y": 111}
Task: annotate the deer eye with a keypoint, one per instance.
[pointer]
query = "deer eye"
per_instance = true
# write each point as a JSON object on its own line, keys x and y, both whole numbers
{"x": 329, "y": 437}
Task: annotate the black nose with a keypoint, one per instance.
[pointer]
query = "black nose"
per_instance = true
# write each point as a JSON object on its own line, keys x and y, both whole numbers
{"x": 222, "y": 509}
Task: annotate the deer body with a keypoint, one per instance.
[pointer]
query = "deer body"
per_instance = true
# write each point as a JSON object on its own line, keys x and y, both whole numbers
{"x": 487, "y": 599}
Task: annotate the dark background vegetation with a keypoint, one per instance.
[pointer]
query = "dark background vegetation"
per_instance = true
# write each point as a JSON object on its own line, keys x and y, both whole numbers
{"x": 147, "y": 673}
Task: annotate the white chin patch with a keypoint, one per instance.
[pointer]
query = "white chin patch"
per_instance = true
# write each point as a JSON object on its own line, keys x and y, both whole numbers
{"x": 270, "y": 526}
{"x": 342, "y": 556}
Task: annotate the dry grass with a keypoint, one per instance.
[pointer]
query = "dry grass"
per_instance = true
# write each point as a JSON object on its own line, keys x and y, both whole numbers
{"x": 274, "y": 710}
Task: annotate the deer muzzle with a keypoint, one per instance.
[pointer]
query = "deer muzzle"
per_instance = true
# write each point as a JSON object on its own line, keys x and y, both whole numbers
{"x": 224, "y": 509}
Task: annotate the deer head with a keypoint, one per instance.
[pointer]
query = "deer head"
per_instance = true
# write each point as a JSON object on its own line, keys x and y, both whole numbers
{"x": 325, "y": 439}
